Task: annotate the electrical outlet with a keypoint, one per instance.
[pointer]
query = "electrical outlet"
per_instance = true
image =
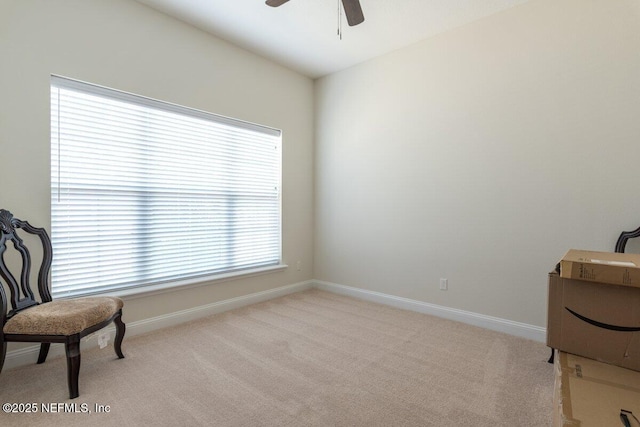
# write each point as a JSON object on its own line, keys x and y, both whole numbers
{"x": 103, "y": 339}
{"x": 298, "y": 265}
{"x": 444, "y": 284}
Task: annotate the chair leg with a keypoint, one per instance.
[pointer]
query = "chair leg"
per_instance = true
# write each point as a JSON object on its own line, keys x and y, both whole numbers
{"x": 73, "y": 367}
{"x": 3, "y": 354}
{"x": 552, "y": 356}
{"x": 44, "y": 351}
{"x": 120, "y": 330}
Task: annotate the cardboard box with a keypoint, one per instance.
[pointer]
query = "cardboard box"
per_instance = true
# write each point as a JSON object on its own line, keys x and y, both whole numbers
{"x": 596, "y": 320}
{"x": 590, "y": 393}
{"x": 604, "y": 267}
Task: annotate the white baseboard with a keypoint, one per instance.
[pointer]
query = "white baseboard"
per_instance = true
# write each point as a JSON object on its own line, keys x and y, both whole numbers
{"x": 535, "y": 333}
{"x": 28, "y": 355}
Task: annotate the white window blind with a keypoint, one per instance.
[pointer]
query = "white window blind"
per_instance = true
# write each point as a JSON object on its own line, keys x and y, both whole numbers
{"x": 145, "y": 192}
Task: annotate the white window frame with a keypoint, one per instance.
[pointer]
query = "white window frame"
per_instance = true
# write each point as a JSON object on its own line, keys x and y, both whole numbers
{"x": 67, "y": 284}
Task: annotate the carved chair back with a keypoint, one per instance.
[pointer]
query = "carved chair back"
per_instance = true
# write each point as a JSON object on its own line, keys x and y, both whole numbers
{"x": 17, "y": 275}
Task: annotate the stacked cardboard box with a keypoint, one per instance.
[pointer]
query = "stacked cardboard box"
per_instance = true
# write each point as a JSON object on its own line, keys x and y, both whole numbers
{"x": 594, "y": 312}
{"x": 603, "y": 267}
{"x": 594, "y": 307}
{"x": 590, "y": 393}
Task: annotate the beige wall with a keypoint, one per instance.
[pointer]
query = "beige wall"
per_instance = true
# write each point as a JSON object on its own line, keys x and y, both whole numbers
{"x": 125, "y": 45}
{"x": 481, "y": 156}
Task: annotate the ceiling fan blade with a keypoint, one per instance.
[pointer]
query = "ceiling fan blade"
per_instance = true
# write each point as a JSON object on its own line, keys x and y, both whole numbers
{"x": 353, "y": 11}
{"x": 276, "y": 3}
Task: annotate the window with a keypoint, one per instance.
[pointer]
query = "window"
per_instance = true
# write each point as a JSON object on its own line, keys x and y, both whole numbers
{"x": 145, "y": 192}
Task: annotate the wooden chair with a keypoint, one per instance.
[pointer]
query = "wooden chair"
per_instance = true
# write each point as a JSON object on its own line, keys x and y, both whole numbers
{"x": 46, "y": 321}
{"x": 621, "y": 243}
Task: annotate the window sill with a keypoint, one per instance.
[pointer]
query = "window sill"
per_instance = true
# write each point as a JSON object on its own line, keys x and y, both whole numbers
{"x": 144, "y": 291}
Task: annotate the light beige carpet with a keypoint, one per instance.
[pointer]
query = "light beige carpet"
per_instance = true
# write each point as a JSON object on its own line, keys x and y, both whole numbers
{"x": 308, "y": 359}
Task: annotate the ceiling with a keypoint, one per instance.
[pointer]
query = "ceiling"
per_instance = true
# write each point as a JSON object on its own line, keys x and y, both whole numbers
{"x": 302, "y": 34}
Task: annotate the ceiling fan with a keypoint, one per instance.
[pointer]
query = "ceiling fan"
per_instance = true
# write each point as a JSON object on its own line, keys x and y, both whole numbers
{"x": 352, "y": 10}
